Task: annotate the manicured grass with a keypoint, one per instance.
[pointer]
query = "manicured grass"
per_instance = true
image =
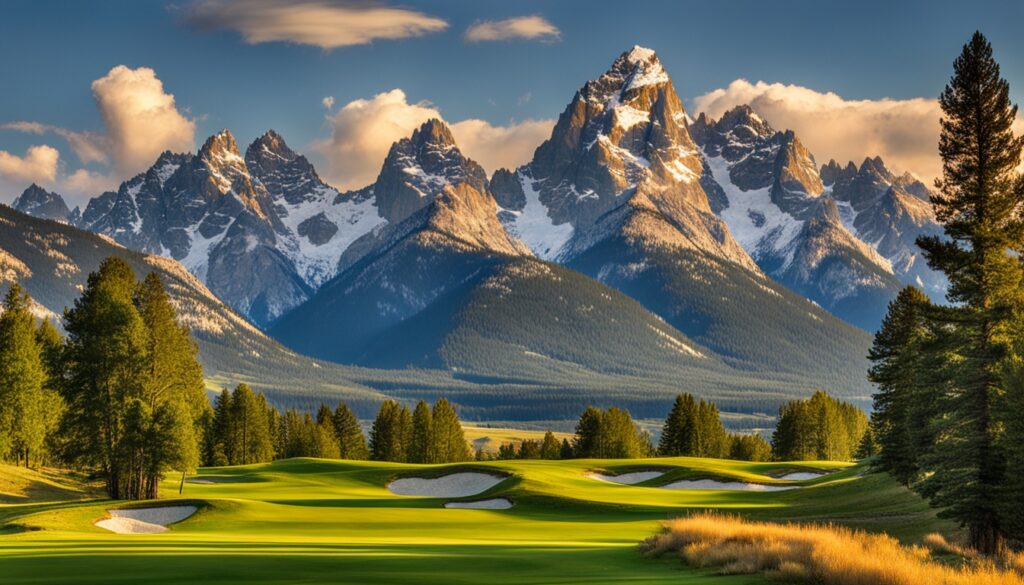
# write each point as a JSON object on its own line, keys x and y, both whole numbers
{"x": 318, "y": 521}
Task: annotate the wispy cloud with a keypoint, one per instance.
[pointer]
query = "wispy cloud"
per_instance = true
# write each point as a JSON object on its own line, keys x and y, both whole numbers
{"x": 534, "y": 27}
{"x": 363, "y": 130}
{"x": 321, "y": 23}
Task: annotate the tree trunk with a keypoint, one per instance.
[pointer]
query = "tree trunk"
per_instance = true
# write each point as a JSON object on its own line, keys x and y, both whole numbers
{"x": 986, "y": 537}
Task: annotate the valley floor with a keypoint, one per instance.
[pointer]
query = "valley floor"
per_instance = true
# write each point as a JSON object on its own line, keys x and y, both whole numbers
{"x": 319, "y": 521}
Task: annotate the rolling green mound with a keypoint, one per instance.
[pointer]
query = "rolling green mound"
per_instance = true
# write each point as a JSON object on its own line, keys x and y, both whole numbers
{"x": 321, "y": 521}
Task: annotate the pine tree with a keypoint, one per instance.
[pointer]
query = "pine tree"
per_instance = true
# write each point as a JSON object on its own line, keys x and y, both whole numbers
{"x": 711, "y": 438}
{"x": 327, "y": 446}
{"x": 23, "y": 408}
{"x": 251, "y": 438}
{"x": 749, "y": 448}
{"x": 420, "y": 444}
{"x": 587, "y": 441}
{"x": 979, "y": 205}
{"x": 173, "y": 369}
{"x": 386, "y": 434}
{"x": 896, "y": 371}
{"x": 550, "y": 447}
{"x": 105, "y": 359}
{"x": 678, "y": 435}
{"x": 351, "y": 443}
{"x": 223, "y": 431}
{"x": 447, "y": 439}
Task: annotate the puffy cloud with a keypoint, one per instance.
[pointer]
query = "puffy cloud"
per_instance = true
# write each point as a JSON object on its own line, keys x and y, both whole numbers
{"x": 83, "y": 184}
{"x": 141, "y": 119}
{"x": 496, "y": 147}
{"x": 39, "y": 165}
{"x": 534, "y": 27}
{"x": 322, "y": 23}
{"x": 903, "y": 132}
{"x": 328, "y": 102}
{"x": 363, "y": 130}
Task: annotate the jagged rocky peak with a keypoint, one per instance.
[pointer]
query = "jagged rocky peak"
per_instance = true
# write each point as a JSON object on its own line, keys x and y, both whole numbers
{"x": 833, "y": 173}
{"x": 285, "y": 173}
{"x": 624, "y": 130}
{"x": 41, "y": 203}
{"x": 756, "y": 156}
{"x": 418, "y": 168}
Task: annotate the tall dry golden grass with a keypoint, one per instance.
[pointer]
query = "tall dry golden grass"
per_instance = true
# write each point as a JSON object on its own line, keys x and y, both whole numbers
{"x": 818, "y": 554}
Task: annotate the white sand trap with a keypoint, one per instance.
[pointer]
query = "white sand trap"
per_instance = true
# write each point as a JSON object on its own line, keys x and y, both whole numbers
{"x": 495, "y": 504}
{"x": 456, "y": 485}
{"x": 710, "y": 484}
{"x": 627, "y": 478}
{"x": 801, "y": 475}
{"x": 145, "y": 520}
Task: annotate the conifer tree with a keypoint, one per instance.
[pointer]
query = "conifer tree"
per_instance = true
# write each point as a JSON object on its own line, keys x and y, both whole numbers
{"x": 105, "y": 360}
{"x": 711, "y": 438}
{"x": 897, "y": 356}
{"x": 351, "y": 443}
{"x": 979, "y": 205}
{"x": 447, "y": 439}
{"x": 587, "y": 441}
{"x": 23, "y": 408}
{"x": 566, "y": 451}
{"x": 550, "y": 448}
{"x": 386, "y": 434}
{"x": 252, "y": 442}
{"x": 678, "y": 435}
{"x": 223, "y": 431}
{"x": 420, "y": 443}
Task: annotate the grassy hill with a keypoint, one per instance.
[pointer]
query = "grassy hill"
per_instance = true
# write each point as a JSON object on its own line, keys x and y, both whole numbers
{"x": 319, "y": 521}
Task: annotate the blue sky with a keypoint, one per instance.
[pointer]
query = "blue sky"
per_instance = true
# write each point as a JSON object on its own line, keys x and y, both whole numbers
{"x": 864, "y": 51}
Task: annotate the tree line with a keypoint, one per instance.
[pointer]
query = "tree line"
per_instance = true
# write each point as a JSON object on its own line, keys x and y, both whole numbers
{"x": 950, "y": 379}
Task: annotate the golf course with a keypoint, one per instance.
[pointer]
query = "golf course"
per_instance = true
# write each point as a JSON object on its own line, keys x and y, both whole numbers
{"x": 325, "y": 521}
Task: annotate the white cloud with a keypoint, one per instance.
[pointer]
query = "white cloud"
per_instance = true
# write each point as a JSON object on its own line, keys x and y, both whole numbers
{"x": 328, "y": 102}
{"x": 905, "y": 133}
{"x": 39, "y": 165}
{"x": 496, "y": 147}
{"x": 321, "y": 23}
{"x": 83, "y": 184}
{"x": 534, "y": 27}
{"x": 363, "y": 130}
{"x": 141, "y": 119}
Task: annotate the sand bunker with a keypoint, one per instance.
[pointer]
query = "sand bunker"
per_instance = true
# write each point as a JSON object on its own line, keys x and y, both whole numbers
{"x": 456, "y": 485}
{"x": 145, "y": 520}
{"x": 627, "y": 478}
{"x": 495, "y": 504}
{"x": 710, "y": 484}
{"x": 800, "y": 476}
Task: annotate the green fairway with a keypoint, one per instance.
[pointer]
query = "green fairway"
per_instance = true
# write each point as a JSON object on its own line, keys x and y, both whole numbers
{"x": 319, "y": 521}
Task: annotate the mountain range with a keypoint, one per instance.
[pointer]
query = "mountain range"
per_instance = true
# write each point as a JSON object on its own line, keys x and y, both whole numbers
{"x": 637, "y": 242}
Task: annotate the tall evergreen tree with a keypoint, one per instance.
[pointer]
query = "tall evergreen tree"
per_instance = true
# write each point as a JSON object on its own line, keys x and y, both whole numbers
{"x": 711, "y": 438}
{"x": 420, "y": 443}
{"x": 251, "y": 439}
{"x": 447, "y": 439}
{"x": 897, "y": 356}
{"x": 23, "y": 405}
{"x": 105, "y": 360}
{"x": 587, "y": 441}
{"x": 979, "y": 205}
{"x": 174, "y": 374}
{"x": 351, "y": 443}
{"x": 386, "y": 433}
{"x": 550, "y": 448}
{"x": 223, "y": 452}
{"x": 678, "y": 434}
